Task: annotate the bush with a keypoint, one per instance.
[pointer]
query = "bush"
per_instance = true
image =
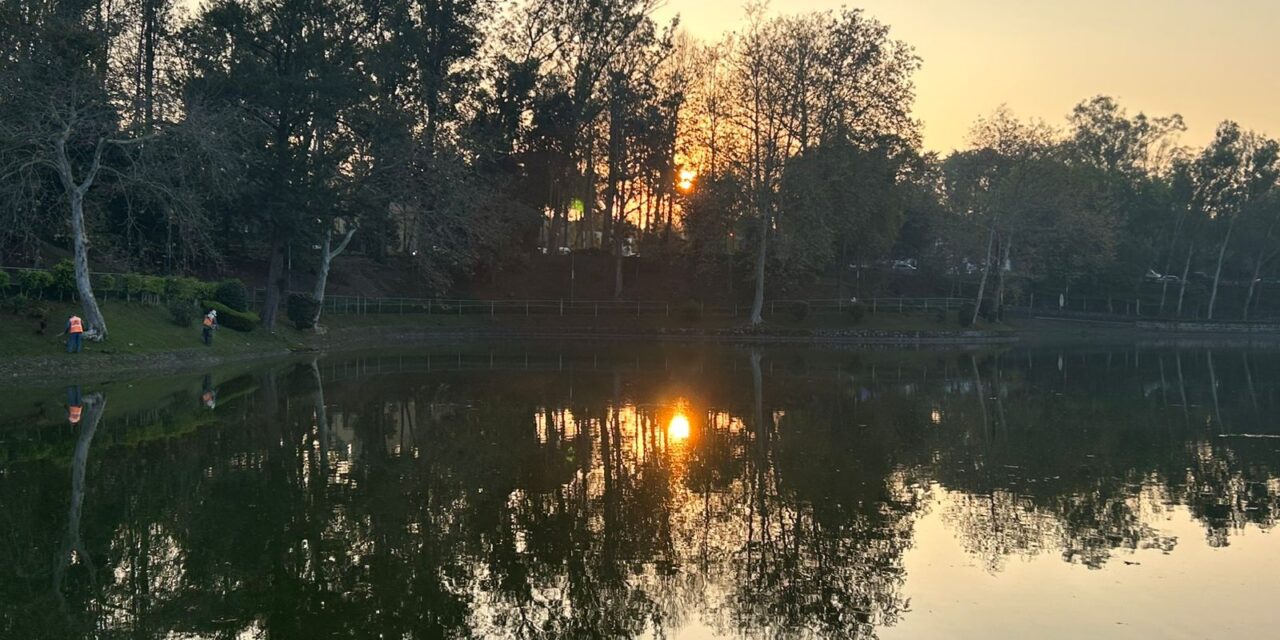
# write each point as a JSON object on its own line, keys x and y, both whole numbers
{"x": 153, "y": 285}
{"x": 233, "y": 294}
{"x": 301, "y": 309}
{"x": 4, "y": 281}
{"x": 690, "y": 311}
{"x": 132, "y": 285}
{"x": 107, "y": 283}
{"x": 965, "y": 315}
{"x": 183, "y": 312}
{"x": 182, "y": 289}
{"x": 35, "y": 282}
{"x": 230, "y": 318}
{"x": 857, "y": 311}
{"x": 64, "y": 278}
{"x": 799, "y": 310}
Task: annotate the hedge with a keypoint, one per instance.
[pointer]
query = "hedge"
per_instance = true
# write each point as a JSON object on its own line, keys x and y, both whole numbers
{"x": 232, "y": 319}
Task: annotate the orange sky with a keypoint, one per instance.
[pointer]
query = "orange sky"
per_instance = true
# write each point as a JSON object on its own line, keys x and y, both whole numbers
{"x": 1208, "y": 60}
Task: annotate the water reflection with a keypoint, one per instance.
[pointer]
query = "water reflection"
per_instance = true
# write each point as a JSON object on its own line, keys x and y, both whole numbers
{"x": 612, "y": 492}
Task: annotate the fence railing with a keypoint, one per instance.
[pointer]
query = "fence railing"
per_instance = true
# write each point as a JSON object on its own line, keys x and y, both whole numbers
{"x": 360, "y": 305}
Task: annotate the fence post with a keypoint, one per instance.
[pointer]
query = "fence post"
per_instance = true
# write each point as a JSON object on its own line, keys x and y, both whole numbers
{"x": 459, "y": 307}
{"x": 596, "y": 305}
{"x": 875, "y": 302}
{"x": 772, "y": 307}
{"x": 899, "y": 305}
{"x": 526, "y": 312}
{"x": 561, "y": 306}
{"x": 1138, "y": 306}
{"x": 637, "y": 308}
{"x": 491, "y": 312}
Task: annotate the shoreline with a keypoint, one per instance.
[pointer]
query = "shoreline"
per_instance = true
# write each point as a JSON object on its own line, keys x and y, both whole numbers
{"x": 27, "y": 369}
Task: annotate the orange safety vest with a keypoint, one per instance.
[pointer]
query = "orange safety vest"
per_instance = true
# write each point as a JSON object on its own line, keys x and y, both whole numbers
{"x": 76, "y": 325}
{"x": 73, "y": 414}
{"x": 208, "y": 321}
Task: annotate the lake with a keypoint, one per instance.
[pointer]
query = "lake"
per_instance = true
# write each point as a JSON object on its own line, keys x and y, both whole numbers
{"x": 672, "y": 491}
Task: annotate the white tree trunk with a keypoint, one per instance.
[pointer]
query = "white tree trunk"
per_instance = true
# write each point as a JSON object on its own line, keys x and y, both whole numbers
{"x": 757, "y": 303}
{"x": 1186, "y": 271}
{"x": 80, "y": 240}
{"x": 326, "y": 259}
{"x": 986, "y": 268}
{"x": 1217, "y": 274}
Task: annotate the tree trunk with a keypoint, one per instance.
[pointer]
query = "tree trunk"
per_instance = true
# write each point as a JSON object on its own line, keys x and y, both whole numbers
{"x": 1257, "y": 269}
{"x": 982, "y": 283}
{"x": 999, "y": 310}
{"x": 322, "y": 276}
{"x": 757, "y": 303}
{"x": 1217, "y": 274}
{"x": 276, "y": 282}
{"x": 1186, "y": 271}
{"x": 92, "y": 314}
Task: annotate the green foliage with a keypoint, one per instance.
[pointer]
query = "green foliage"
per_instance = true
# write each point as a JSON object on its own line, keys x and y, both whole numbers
{"x": 107, "y": 283}
{"x": 153, "y": 285}
{"x": 64, "y": 278}
{"x": 4, "y": 281}
{"x": 183, "y": 312}
{"x": 133, "y": 284}
{"x": 302, "y": 309}
{"x": 34, "y": 283}
{"x": 243, "y": 321}
{"x": 965, "y": 316}
{"x": 182, "y": 289}
{"x": 233, "y": 294}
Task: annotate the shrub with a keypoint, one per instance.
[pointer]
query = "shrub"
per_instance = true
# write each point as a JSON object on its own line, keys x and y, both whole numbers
{"x": 153, "y": 285}
{"x": 690, "y": 311}
{"x": 941, "y": 316}
{"x": 107, "y": 283}
{"x": 4, "y": 281}
{"x": 35, "y": 282}
{"x": 183, "y": 312}
{"x": 132, "y": 285}
{"x": 182, "y": 289}
{"x": 965, "y": 315}
{"x": 233, "y": 294}
{"x": 64, "y": 278}
{"x": 232, "y": 319}
{"x": 301, "y": 309}
{"x": 857, "y": 311}
{"x": 799, "y": 310}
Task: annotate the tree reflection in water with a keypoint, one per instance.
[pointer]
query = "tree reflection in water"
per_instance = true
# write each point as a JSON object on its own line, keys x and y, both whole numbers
{"x": 612, "y": 493}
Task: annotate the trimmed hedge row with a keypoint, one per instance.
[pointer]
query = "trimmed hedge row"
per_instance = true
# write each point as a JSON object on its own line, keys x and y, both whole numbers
{"x": 243, "y": 321}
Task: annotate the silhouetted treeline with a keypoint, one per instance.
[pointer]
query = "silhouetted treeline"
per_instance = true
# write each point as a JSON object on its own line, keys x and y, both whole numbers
{"x": 462, "y": 137}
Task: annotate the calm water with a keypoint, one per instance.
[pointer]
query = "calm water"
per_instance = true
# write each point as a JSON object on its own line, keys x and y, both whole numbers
{"x": 670, "y": 491}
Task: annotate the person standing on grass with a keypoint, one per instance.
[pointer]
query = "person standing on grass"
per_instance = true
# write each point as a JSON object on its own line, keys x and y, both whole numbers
{"x": 210, "y": 324}
{"x": 74, "y": 332}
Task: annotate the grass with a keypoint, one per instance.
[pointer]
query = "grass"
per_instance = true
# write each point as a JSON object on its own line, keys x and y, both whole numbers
{"x": 134, "y": 329}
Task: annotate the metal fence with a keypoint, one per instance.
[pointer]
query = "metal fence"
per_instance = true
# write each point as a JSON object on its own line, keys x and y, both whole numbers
{"x": 360, "y": 305}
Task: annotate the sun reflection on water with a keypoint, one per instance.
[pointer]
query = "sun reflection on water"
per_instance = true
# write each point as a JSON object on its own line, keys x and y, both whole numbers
{"x": 678, "y": 429}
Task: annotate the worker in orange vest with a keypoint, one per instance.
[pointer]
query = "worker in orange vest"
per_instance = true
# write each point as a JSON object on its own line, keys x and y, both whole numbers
{"x": 210, "y": 323}
{"x": 74, "y": 331}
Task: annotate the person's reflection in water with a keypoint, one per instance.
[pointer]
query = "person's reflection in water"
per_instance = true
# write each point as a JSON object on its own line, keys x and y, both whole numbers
{"x": 208, "y": 394}
{"x": 75, "y": 405}
{"x": 73, "y": 551}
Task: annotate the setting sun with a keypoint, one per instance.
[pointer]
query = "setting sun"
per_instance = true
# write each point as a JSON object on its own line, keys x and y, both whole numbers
{"x": 686, "y": 179}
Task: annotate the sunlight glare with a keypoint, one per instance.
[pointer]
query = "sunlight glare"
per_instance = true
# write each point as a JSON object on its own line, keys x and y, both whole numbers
{"x": 678, "y": 430}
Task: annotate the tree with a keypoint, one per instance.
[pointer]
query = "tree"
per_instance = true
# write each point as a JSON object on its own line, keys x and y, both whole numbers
{"x": 1236, "y": 168}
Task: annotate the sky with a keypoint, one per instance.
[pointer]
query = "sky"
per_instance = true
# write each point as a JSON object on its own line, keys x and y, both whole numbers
{"x": 1209, "y": 60}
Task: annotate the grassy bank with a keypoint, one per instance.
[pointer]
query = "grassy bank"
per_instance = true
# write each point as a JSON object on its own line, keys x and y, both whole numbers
{"x": 135, "y": 329}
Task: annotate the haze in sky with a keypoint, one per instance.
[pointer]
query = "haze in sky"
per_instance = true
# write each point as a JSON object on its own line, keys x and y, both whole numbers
{"x": 1208, "y": 60}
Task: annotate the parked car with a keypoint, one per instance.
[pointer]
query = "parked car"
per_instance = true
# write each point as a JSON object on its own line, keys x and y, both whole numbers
{"x": 904, "y": 266}
{"x": 1152, "y": 276}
